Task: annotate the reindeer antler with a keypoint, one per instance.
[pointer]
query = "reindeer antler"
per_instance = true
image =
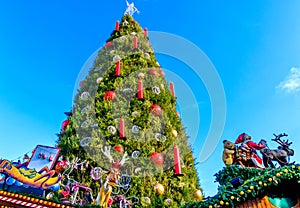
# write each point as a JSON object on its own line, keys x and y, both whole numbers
{"x": 279, "y": 141}
{"x": 288, "y": 143}
{"x": 107, "y": 154}
{"x": 124, "y": 159}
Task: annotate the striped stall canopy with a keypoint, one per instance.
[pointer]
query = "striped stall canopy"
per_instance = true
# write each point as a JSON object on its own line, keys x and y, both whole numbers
{"x": 14, "y": 200}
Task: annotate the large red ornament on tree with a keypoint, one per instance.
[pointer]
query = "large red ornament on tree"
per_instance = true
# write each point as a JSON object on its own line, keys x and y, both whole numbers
{"x": 119, "y": 149}
{"x": 65, "y": 124}
{"x": 155, "y": 109}
{"x": 157, "y": 158}
{"x": 109, "y": 95}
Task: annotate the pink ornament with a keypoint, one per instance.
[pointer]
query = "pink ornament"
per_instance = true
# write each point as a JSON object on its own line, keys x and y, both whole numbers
{"x": 65, "y": 124}
{"x": 156, "y": 158}
{"x": 178, "y": 115}
{"x": 109, "y": 95}
{"x": 110, "y": 201}
{"x": 153, "y": 72}
{"x": 155, "y": 109}
{"x": 121, "y": 198}
{"x": 50, "y": 158}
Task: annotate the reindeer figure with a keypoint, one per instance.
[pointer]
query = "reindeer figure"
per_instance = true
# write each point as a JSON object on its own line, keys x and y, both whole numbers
{"x": 280, "y": 154}
{"x": 112, "y": 177}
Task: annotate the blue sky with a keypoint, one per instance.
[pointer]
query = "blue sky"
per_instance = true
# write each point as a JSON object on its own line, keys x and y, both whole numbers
{"x": 254, "y": 47}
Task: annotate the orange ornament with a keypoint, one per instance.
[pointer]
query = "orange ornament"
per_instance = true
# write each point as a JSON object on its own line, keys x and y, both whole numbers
{"x": 159, "y": 188}
{"x": 199, "y": 195}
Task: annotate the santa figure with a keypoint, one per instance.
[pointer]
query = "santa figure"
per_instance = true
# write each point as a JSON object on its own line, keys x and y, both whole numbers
{"x": 248, "y": 145}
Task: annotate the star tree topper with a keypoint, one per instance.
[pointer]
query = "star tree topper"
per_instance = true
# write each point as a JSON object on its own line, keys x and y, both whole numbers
{"x": 131, "y": 9}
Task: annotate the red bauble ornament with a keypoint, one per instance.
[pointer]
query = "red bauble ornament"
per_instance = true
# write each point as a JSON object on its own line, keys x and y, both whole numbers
{"x": 109, "y": 95}
{"x": 65, "y": 124}
{"x": 119, "y": 149}
{"x": 157, "y": 158}
{"x": 155, "y": 109}
{"x": 153, "y": 72}
{"x": 61, "y": 166}
{"x": 110, "y": 201}
{"x": 108, "y": 44}
{"x": 82, "y": 83}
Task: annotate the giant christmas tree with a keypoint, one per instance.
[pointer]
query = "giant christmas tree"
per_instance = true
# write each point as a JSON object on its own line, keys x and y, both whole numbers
{"x": 125, "y": 130}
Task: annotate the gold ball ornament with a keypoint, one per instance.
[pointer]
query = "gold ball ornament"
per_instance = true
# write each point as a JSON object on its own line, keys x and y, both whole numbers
{"x": 159, "y": 188}
{"x": 251, "y": 187}
{"x": 174, "y": 133}
{"x": 199, "y": 195}
{"x": 285, "y": 170}
{"x": 278, "y": 174}
{"x": 232, "y": 197}
{"x": 293, "y": 166}
{"x": 260, "y": 183}
{"x": 221, "y": 202}
{"x": 226, "y": 203}
{"x": 242, "y": 193}
{"x": 270, "y": 179}
{"x": 210, "y": 206}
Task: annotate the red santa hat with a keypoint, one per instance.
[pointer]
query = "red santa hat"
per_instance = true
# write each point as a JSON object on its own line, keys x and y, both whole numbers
{"x": 241, "y": 138}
